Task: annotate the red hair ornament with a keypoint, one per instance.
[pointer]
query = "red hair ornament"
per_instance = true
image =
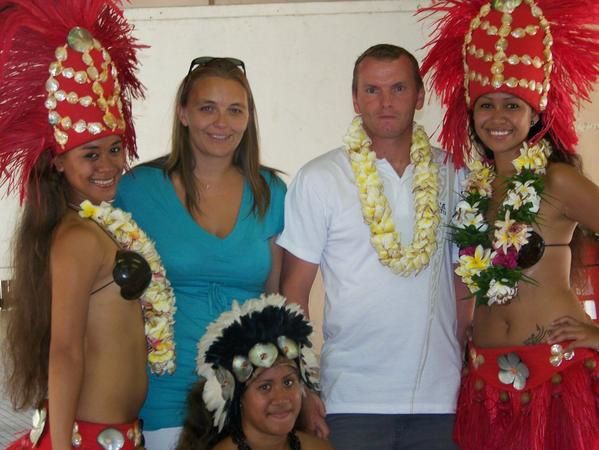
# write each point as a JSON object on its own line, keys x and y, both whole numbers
{"x": 545, "y": 52}
{"x": 67, "y": 77}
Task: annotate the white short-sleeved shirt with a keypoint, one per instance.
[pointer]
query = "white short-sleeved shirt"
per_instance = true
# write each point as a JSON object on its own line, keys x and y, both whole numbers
{"x": 390, "y": 341}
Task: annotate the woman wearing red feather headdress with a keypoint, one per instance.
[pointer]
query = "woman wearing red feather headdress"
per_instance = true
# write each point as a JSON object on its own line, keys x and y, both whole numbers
{"x": 75, "y": 347}
{"x": 510, "y": 73}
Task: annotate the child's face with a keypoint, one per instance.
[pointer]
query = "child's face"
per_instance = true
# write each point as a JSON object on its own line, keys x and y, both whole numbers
{"x": 271, "y": 402}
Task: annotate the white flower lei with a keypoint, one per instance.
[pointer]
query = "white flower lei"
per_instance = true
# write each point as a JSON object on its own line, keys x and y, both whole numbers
{"x": 377, "y": 212}
{"x": 158, "y": 300}
{"x": 489, "y": 266}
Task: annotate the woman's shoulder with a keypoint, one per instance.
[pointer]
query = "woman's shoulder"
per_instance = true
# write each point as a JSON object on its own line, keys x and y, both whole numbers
{"x": 272, "y": 176}
{"x": 562, "y": 169}
{"x": 139, "y": 184}
{"x": 572, "y": 194}
{"x": 76, "y": 239}
{"x": 313, "y": 442}
{"x": 562, "y": 178}
{"x": 77, "y": 231}
{"x": 143, "y": 172}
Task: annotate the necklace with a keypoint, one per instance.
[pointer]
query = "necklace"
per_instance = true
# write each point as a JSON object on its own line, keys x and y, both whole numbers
{"x": 158, "y": 300}
{"x": 409, "y": 260}
{"x": 490, "y": 267}
{"x": 239, "y": 440}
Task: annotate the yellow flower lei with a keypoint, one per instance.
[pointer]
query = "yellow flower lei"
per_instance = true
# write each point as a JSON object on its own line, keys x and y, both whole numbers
{"x": 158, "y": 300}
{"x": 376, "y": 211}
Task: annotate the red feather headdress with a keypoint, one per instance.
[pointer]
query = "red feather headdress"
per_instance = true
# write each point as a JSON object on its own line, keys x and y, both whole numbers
{"x": 67, "y": 77}
{"x": 545, "y": 51}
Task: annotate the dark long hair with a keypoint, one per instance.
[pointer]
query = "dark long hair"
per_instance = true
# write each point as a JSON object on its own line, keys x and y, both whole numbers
{"x": 558, "y": 155}
{"x": 246, "y": 156}
{"x": 198, "y": 432}
{"x": 27, "y": 342}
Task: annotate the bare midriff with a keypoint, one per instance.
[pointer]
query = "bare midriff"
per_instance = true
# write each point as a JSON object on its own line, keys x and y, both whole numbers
{"x": 528, "y": 317}
{"x": 114, "y": 379}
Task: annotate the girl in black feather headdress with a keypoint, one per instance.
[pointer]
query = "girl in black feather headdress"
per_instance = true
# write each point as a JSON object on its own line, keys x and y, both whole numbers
{"x": 254, "y": 361}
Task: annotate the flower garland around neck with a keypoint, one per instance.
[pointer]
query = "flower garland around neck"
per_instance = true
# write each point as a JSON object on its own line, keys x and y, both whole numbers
{"x": 489, "y": 266}
{"x": 158, "y": 300}
{"x": 377, "y": 213}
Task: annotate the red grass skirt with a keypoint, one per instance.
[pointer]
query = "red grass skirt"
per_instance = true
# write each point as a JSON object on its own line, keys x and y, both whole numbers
{"x": 88, "y": 433}
{"x": 558, "y": 408}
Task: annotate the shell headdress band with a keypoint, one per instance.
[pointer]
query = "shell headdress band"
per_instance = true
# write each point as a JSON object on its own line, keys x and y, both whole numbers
{"x": 545, "y": 52}
{"x": 67, "y": 77}
{"x": 249, "y": 337}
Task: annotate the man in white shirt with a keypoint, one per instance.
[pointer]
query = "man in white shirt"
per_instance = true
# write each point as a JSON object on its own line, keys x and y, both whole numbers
{"x": 390, "y": 364}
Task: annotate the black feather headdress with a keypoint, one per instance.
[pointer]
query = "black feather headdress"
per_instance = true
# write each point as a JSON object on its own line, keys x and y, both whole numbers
{"x": 247, "y": 337}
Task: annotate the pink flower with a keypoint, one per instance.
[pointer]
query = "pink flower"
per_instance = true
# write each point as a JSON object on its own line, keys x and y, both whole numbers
{"x": 509, "y": 260}
{"x": 467, "y": 251}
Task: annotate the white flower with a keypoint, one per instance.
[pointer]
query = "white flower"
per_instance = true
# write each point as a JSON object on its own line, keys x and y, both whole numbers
{"x": 466, "y": 215}
{"x": 533, "y": 158}
{"x": 480, "y": 179}
{"x": 356, "y": 137}
{"x": 512, "y": 371}
{"x": 509, "y": 233}
{"x": 523, "y": 193}
{"x": 500, "y": 292}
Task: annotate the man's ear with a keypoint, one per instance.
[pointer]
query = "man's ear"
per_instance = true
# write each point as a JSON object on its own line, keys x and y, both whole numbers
{"x": 355, "y": 102}
{"x": 420, "y": 99}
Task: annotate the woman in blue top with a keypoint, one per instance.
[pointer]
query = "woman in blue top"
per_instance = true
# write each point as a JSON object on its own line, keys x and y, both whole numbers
{"x": 213, "y": 212}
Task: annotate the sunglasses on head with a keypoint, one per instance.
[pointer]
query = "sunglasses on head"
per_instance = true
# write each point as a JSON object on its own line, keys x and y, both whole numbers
{"x": 205, "y": 60}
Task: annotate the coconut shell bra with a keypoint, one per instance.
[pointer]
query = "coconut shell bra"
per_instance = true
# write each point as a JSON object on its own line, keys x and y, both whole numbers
{"x": 131, "y": 273}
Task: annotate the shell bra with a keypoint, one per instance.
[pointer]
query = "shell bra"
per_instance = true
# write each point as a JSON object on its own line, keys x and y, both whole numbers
{"x": 131, "y": 273}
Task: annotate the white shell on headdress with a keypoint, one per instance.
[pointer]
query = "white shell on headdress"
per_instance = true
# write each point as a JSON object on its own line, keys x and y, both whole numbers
{"x": 288, "y": 347}
{"x": 263, "y": 355}
{"x": 242, "y": 368}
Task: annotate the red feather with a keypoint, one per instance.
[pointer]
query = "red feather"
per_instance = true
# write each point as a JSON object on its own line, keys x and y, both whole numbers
{"x": 30, "y": 31}
{"x": 575, "y": 31}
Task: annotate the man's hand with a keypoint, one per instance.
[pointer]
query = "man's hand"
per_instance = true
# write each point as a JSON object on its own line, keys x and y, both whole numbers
{"x": 312, "y": 415}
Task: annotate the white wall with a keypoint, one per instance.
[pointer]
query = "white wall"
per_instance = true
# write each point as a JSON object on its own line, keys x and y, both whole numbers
{"x": 299, "y": 59}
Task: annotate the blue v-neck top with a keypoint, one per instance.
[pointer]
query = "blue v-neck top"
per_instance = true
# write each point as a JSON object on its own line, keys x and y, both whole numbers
{"x": 206, "y": 272}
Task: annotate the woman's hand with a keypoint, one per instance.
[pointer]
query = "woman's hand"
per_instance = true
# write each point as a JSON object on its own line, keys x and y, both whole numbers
{"x": 312, "y": 415}
{"x": 582, "y": 333}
